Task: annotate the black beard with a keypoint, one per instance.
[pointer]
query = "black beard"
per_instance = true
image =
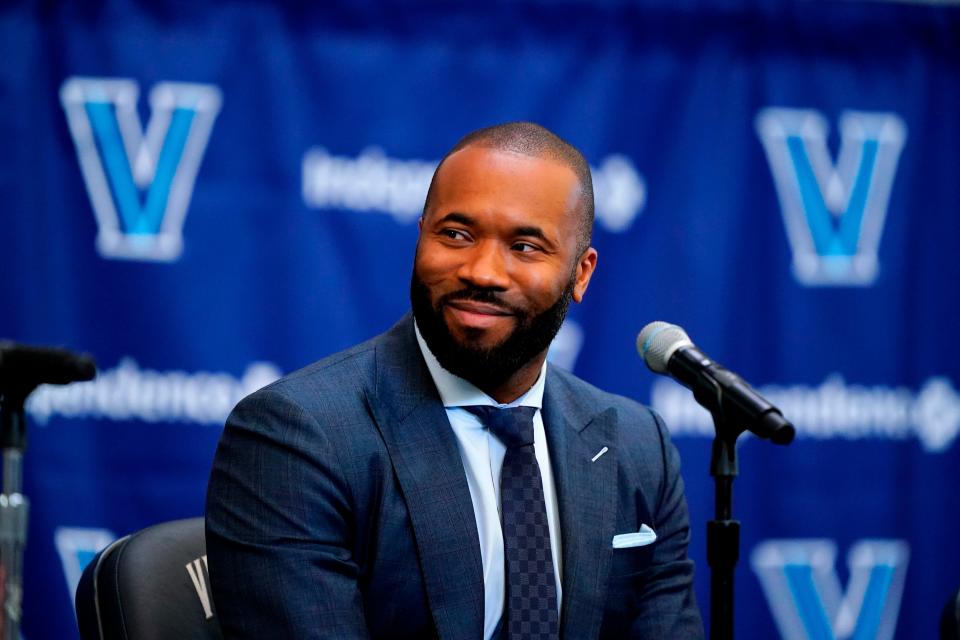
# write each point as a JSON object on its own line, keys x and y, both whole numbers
{"x": 486, "y": 367}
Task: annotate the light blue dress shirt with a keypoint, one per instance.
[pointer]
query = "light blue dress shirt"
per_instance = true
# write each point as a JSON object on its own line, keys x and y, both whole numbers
{"x": 482, "y": 455}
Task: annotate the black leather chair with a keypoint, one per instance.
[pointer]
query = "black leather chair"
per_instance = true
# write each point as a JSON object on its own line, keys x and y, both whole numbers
{"x": 149, "y": 585}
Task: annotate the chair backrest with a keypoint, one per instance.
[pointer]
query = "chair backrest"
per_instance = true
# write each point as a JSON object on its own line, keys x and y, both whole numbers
{"x": 149, "y": 585}
{"x": 950, "y": 618}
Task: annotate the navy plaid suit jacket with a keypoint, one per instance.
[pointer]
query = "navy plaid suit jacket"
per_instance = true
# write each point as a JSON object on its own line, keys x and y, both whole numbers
{"x": 338, "y": 507}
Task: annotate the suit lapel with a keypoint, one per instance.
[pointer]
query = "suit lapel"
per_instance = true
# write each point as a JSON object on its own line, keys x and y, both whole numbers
{"x": 587, "y": 495}
{"x": 423, "y": 450}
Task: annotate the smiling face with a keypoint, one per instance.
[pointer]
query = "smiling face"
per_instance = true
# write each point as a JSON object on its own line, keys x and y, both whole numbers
{"x": 497, "y": 263}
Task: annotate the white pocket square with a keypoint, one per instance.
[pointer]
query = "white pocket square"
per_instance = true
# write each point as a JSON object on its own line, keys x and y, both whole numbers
{"x": 641, "y": 538}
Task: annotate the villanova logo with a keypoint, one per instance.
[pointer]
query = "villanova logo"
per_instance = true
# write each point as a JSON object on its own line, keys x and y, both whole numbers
{"x": 139, "y": 181}
{"x": 803, "y": 589}
{"x": 834, "y": 213}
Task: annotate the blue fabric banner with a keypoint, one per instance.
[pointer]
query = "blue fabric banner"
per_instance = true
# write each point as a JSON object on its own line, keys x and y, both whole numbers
{"x": 205, "y": 196}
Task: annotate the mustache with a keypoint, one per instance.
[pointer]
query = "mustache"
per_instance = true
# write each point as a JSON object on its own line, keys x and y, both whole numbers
{"x": 477, "y": 294}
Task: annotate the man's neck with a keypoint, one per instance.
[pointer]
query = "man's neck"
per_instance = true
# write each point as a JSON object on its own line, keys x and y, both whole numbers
{"x": 517, "y": 384}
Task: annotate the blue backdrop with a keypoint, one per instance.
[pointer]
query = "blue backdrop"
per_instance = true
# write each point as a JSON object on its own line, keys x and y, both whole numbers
{"x": 207, "y": 196}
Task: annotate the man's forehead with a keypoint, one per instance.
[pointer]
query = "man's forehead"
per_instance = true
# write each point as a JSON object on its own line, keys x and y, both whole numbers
{"x": 487, "y": 155}
{"x": 508, "y": 194}
{"x": 503, "y": 172}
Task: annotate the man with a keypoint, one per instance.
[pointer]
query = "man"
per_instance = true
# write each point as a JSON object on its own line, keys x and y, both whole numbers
{"x": 441, "y": 480}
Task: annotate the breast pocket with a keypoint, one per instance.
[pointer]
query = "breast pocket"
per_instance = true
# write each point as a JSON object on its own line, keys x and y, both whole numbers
{"x": 628, "y": 575}
{"x": 631, "y": 561}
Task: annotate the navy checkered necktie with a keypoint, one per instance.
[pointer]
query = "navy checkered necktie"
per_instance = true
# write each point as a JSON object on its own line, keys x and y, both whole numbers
{"x": 531, "y": 611}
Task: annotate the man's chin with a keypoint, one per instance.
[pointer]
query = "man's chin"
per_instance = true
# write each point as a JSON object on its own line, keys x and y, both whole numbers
{"x": 477, "y": 340}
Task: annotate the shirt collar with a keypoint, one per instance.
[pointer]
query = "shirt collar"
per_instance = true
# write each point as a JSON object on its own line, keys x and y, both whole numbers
{"x": 457, "y": 392}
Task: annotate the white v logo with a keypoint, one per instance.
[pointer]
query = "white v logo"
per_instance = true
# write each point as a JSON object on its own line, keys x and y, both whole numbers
{"x": 802, "y": 587}
{"x": 140, "y": 182}
{"x": 834, "y": 214}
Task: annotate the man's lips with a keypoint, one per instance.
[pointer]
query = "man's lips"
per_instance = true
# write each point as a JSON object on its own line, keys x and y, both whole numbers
{"x": 476, "y": 315}
{"x": 483, "y": 308}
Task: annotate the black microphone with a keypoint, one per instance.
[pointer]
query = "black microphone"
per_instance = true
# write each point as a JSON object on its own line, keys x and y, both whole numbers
{"x": 23, "y": 368}
{"x": 667, "y": 350}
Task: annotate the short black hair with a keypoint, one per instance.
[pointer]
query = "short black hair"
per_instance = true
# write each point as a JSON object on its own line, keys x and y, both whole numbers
{"x": 531, "y": 139}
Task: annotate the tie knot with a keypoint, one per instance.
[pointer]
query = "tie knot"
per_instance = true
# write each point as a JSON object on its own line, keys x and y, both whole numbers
{"x": 513, "y": 426}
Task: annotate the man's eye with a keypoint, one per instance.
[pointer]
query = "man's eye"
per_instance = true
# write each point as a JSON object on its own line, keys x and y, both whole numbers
{"x": 454, "y": 234}
{"x": 525, "y": 247}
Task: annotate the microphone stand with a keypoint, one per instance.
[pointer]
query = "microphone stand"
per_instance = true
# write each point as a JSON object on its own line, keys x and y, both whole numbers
{"x": 14, "y": 512}
{"x": 723, "y": 532}
{"x": 23, "y": 369}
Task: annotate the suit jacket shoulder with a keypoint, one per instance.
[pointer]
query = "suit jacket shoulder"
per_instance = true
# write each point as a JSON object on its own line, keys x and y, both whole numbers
{"x": 336, "y": 392}
{"x": 329, "y": 383}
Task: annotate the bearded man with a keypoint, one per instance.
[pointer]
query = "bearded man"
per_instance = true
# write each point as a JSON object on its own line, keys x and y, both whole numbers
{"x": 442, "y": 480}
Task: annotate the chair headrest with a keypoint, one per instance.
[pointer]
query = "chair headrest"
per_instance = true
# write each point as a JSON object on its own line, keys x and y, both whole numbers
{"x": 155, "y": 584}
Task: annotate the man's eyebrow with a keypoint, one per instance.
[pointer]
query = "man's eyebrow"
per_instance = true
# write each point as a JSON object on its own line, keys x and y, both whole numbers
{"x": 455, "y": 216}
{"x": 533, "y": 232}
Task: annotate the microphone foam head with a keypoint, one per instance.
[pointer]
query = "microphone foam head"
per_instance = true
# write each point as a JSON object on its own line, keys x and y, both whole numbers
{"x": 658, "y": 341}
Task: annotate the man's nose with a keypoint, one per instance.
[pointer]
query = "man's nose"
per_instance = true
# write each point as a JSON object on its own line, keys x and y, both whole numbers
{"x": 485, "y": 266}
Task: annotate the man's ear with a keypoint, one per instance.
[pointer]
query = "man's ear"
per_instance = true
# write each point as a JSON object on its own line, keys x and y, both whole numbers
{"x": 586, "y": 264}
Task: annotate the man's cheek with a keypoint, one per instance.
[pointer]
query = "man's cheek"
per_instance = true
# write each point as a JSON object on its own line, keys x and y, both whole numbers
{"x": 433, "y": 278}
